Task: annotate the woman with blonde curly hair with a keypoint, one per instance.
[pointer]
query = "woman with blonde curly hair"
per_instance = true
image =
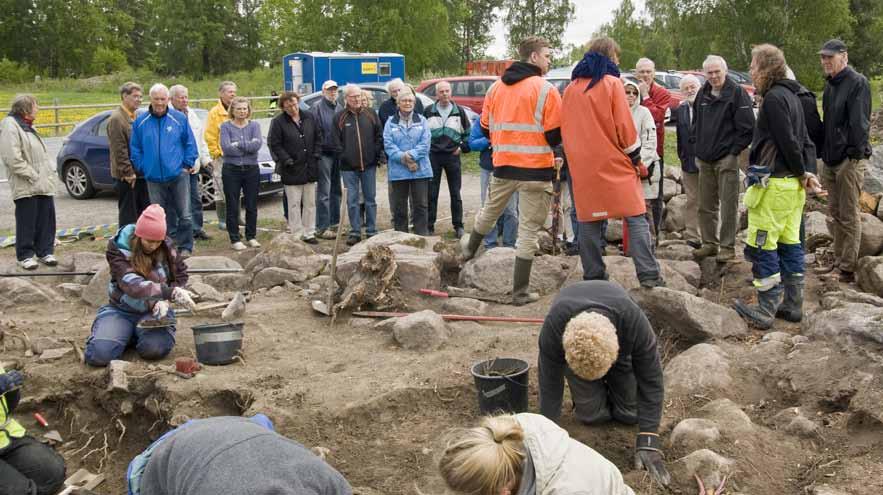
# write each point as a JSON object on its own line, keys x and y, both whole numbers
{"x": 524, "y": 454}
{"x": 597, "y": 338}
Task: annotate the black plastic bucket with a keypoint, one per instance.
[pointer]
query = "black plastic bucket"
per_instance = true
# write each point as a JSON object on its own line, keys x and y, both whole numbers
{"x": 501, "y": 385}
{"x": 217, "y": 343}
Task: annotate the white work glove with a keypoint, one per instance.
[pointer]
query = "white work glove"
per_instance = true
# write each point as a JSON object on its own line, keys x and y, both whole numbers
{"x": 183, "y": 297}
{"x": 160, "y": 309}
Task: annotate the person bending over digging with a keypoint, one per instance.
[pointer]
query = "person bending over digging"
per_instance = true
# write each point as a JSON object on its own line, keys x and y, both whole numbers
{"x": 146, "y": 275}
{"x": 524, "y": 454}
{"x": 600, "y": 340}
{"x": 27, "y": 467}
{"x": 231, "y": 454}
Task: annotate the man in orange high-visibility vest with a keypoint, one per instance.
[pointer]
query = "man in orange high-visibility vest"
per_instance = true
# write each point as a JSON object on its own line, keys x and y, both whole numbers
{"x": 522, "y": 118}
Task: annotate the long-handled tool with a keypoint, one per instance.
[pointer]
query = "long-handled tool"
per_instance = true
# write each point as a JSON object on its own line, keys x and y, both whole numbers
{"x": 446, "y": 317}
{"x": 556, "y": 204}
{"x": 191, "y": 271}
{"x": 470, "y": 293}
{"x": 327, "y": 308}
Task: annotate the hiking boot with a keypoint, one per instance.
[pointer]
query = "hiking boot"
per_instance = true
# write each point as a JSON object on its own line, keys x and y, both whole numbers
{"x": 521, "y": 294}
{"x": 791, "y": 308}
{"x": 762, "y": 315}
{"x": 705, "y": 251}
{"x": 353, "y": 240}
{"x": 726, "y": 255}
{"x": 653, "y": 282}
{"x": 469, "y": 246}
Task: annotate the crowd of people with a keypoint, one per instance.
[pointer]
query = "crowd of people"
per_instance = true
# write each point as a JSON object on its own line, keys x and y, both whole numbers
{"x": 606, "y": 134}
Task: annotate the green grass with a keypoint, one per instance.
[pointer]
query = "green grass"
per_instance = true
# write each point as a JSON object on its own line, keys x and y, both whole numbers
{"x": 876, "y": 93}
{"x": 469, "y": 163}
{"x": 670, "y": 149}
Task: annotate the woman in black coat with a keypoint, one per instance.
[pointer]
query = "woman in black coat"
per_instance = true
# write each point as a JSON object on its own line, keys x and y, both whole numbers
{"x": 295, "y": 143}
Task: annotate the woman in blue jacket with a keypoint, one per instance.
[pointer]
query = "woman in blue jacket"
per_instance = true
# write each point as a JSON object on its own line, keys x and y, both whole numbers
{"x": 406, "y": 139}
{"x": 508, "y": 221}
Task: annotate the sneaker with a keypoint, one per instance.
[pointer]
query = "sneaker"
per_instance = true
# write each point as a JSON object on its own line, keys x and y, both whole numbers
{"x": 29, "y": 263}
{"x": 352, "y": 240}
{"x": 239, "y": 246}
{"x": 49, "y": 260}
{"x": 254, "y": 243}
{"x": 185, "y": 253}
{"x": 311, "y": 240}
{"x": 726, "y": 255}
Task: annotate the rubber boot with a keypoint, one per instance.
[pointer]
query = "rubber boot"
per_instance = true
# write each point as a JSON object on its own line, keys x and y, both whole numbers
{"x": 762, "y": 315}
{"x": 521, "y": 294}
{"x": 221, "y": 210}
{"x": 469, "y": 245}
{"x": 792, "y": 306}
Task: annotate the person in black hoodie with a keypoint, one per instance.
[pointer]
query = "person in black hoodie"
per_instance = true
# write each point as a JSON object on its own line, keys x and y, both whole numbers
{"x": 358, "y": 137}
{"x": 722, "y": 129}
{"x": 846, "y": 104}
{"x": 295, "y": 142}
{"x": 776, "y": 194}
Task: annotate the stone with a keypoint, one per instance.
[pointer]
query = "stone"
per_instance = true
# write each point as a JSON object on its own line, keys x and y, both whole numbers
{"x": 386, "y": 325}
{"x": 869, "y": 274}
{"x": 416, "y": 268}
{"x": 873, "y": 182}
{"x": 116, "y": 376}
{"x": 622, "y": 271}
{"x": 86, "y": 261}
{"x": 730, "y": 419}
{"x": 674, "y": 214}
{"x": 688, "y": 317}
{"x": 850, "y": 324}
{"x": 872, "y": 236}
{"x": 868, "y": 401}
{"x": 228, "y": 281}
{"x": 687, "y": 268}
{"x": 817, "y": 232}
{"x": 274, "y": 276}
{"x": 465, "y": 306}
{"x": 826, "y": 489}
{"x": 40, "y": 344}
{"x": 290, "y": 253}
{"x": 50, "y": 354}
{"x": 836, "y": 298}
{"x": 212, "y": 262}
{"x": 709, "y": 466}
{"x": 614, "y": 230}
{"x": 276, "y": 291}
{"x": 703, "y": 368}
{"x": 803, "y": 427}
{"x": 236, "y": 308}
{"x": 356, "y": 322}
{"x": 421, "y": 331}
{"x": 205, "y": 292}
{"x": 95, "y": 293}
{"x": 670, "y": 189}
{"x": 673, "y": 173}
{"x": 674, "y": 250}
{"x": 694, "y": 433}
{"x": 391, "y": 237}
{"x": 70, "y": 290}
{"x": 15, "y": 292}
{"x": 491, "y": 272}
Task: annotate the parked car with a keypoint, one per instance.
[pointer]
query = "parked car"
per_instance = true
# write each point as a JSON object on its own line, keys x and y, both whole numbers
{"x": 378, "y": 91}
{"x": 735, "y": 76}
{"x": 466, "y": 91}
{"x": 83, "y": 164}
{"x": 560, "y": 78}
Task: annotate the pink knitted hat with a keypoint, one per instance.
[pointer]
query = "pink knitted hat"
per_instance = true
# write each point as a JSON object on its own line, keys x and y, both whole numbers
{"x": 151, "y": 224}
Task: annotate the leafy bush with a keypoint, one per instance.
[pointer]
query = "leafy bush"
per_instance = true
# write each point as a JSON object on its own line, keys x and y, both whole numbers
{"x": 14, "y": 72}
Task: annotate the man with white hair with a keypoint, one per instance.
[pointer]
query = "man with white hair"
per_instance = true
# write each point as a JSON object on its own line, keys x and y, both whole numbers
{"x": 388, "y": 108}
{"x": 656, "y": 99}
{"x": 683, "y": 116}
{"x": 162, "y": 145}
{"x": 180, "y": 99}
{"x": 597, "y": 338}
{"x": 722, "y": 128}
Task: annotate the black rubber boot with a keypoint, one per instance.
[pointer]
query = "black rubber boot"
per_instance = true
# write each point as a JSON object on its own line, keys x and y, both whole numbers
{"x": 469, "y": 245}
{"x": 762, "y": 315}
{"x": 792, "y": 306}
{"x": 521, "y": 294}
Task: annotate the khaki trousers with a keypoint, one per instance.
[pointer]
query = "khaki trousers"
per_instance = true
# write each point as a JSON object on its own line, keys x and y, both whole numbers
{"x": 844, "y": 185}
{"x": 534, "y": 201}
{"x": 719, "y": 193}
{"x": 691, "y": 209}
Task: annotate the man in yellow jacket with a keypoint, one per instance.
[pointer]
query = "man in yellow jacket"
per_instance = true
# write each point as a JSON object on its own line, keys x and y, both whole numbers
{"x": 27, "y": 467}
{"x": 217, "y": 116}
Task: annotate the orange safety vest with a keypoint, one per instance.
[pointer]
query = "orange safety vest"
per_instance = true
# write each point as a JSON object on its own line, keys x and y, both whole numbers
{"x": 517, "y": 117}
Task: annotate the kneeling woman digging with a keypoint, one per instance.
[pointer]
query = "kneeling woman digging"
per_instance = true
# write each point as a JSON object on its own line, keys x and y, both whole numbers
{"x": 146, "y": 275}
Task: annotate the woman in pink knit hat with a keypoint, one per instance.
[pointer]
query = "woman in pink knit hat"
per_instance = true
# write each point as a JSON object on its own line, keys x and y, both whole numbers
{"x": 146, "y": 275}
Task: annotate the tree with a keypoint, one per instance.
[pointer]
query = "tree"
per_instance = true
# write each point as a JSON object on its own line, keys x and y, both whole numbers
{"x": 866, "y": 40}
{"x": 471, "y": 22}
{"x": 626, "y": 29}
{"x": 546, "y": 18}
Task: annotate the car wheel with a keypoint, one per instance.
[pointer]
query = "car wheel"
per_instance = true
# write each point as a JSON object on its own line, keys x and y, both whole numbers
{"x": 77, "y": 181}
{"x": 206, "y": 190}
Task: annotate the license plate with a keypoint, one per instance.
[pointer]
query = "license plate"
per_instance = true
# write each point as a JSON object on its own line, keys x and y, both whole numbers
{"x": 275, "y": 178}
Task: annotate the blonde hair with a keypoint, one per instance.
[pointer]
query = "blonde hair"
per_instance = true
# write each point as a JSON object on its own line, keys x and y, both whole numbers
{"x": 238, "y": 100}
{"x": 590, "y": 345}
{"x": 485, "y": 459}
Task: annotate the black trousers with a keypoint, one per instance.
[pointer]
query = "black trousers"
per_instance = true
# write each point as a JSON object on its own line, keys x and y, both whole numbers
{"x": 245, "y": 179}
{"x": 131, "y": 200}
{"x": 27, "y": 467}
{"x": 417, "y": 190}
{"x": 34, "y": 227}
{"x": 450, "y": 165}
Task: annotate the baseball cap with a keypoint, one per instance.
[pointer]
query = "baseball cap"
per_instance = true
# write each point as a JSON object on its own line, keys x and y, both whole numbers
{"x": 833, "y": 47}
{"x": 331, "y": 83}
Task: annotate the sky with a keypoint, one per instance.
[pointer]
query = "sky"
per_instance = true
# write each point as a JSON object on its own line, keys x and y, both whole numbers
{"x": 590, "y": 15}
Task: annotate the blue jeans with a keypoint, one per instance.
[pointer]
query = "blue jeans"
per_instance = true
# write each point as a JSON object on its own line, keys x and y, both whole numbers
{"x": 508, "y": 221}
{"x": 195, "y": 203}
{"x": 591, "y": 251}
{"x": 574, "y": 223}
{"x": 327, "y": 193}
{"x": 364, "y": 181}
{"x": 28, "y": 466}
{"x": 245, "y": 179}
{"x": 174, "y": 197}
{"x": 114, "y": 330}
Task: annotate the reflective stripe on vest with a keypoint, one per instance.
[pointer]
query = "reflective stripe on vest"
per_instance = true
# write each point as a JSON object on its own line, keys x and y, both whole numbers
{"x": 511, "y": 139}
{"x": 8, "y": 426}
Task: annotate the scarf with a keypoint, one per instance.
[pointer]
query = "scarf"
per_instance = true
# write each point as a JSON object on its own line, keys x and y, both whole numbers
{"x": 26, "y": 123}
{"x": 594, "y": 66}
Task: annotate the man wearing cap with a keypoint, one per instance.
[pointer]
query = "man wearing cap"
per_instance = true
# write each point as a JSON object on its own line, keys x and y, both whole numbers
{"x": 597, "y": 338}
{"x": 846, "y": 105}
{"x": 328, "y": 191}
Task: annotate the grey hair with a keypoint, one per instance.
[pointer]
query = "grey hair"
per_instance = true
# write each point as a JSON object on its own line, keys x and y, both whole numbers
{"x": 128, "y": 87}
{"x": 178, "y": 88}
{"x": 410, "y": 89}
{"x": 645, "y": 60}
{"x": 714, "y": 59}
{"x": 351, "y": 87}
{"x": 789, "y": 74}
{"x": 158, "y": 88}
{"x": 390, "y": 83}
{"x": 23, "y": 104}
{"x": 226, "y": 84}
{"x": 688, "y": 78}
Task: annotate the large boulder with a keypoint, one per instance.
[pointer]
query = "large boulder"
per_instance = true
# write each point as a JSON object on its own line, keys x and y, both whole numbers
{"x": 465, "y": 306}
{"x": 273, "y": 276}
{"x": 416, "y": 267}
{"x": 670, "y": 189}
{"x": 694, "y": 433}
{"x": 674, "y": 214}
{"x": 872, "y": 236}
{"x": 673, "y": 172}
{"x": 874, "y": 174}
{"x": 212, "y": 263}
{"x": 95, "y": 292}
{"x": 228, "y": 281}
{"x": 817, "y": 232}
{"x": 849, "y": 323}
{"x": 16, "y": 292}
{"x": 688, "y": 317}
{"x": 85, "y": 261}
{"x": 391, "y": 237}
{"x": 688, "y": 269}
{"x": 703, "y": 368}
{"x": 422, "y": 331}
{"x": 205, "y": 292}
{"x": 288, "y": 252}
{"x": 869, "y": 274}
{"x": 622, "y": 270}
{"x": 730, "y": 419}
{"x": 674, "y": 250}
{"x": 491, "y": 272}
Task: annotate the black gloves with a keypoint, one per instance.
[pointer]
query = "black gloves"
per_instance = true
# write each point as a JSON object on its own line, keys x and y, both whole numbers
{"x": 10, "y": 381}
{"x": 648, "y": 455}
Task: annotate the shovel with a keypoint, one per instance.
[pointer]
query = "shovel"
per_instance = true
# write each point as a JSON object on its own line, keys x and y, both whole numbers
{"x": 320, "y": 306}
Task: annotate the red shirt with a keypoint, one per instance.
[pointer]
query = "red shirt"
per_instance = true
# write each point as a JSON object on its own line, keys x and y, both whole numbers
{"x": 657, "y": 102}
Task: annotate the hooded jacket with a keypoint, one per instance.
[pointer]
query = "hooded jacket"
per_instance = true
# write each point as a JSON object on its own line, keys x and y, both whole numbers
{"x": 657, "y": 101}
{"x": 780, "y": 136}
{"x": 162, "y": 145}
{"x": 448, "y": 134}
{"x": 414, "y": 139}
{"x": 22, "y": 150}
{"x": 296, "y": 149}
{"x": 565, "y": 466}
{"x": 724, "y": 124}
{"x": 846, "y": 105}
{"x": 646, "y": 127}
{"x": 358, "y": 138}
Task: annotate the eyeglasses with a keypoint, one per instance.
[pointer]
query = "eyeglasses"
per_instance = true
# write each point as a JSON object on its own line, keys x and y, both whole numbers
{"x": 633, "y": 93}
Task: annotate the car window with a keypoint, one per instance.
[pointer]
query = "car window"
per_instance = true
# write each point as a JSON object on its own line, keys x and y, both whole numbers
{"x": 379, "y": 97}
{"x": 101, "y": 128}
{"x": 429, "y": 90}
{"x": 479, "y": 88}
{"x": 460, "y": 88}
